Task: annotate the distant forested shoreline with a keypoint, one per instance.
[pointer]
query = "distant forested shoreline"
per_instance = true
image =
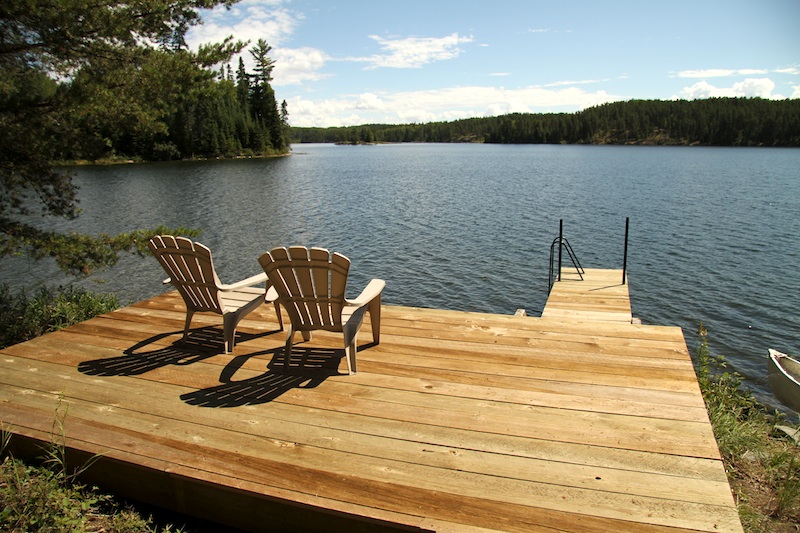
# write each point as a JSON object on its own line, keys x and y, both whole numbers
{"x": 708, "y": 122}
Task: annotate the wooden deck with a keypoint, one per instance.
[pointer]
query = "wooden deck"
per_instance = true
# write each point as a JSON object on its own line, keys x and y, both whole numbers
{"x": 455, "y": 422}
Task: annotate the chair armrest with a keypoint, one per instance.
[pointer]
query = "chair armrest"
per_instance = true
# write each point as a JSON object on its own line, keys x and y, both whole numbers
{"x": 370, "y": 292}
{"x": 252, "y": 280}
{"x": 167, "y": 281}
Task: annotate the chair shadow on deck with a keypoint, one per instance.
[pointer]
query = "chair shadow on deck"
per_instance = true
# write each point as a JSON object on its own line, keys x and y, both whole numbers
{"x": 307, "y": 369}
{"x": 201, "y": 344}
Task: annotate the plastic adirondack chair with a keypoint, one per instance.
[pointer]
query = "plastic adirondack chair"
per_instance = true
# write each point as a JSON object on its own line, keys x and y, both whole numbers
{"x": 311, "y": 284}
{"x": 191, "y": 271}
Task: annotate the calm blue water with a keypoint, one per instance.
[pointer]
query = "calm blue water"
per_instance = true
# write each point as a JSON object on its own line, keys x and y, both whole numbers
{"x": 714, "y": 232}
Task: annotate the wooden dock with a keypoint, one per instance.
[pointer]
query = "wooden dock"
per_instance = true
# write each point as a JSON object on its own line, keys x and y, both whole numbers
{"x": 456, "y": 422}
{"x": 597, "y": 294}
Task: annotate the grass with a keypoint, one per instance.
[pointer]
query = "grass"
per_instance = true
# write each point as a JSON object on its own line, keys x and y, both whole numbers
{"x": 47, "y": 497}
{"x": 762, "y": 463}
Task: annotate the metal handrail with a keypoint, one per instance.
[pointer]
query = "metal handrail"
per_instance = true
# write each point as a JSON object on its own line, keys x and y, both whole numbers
{"x": 562, "y": 243}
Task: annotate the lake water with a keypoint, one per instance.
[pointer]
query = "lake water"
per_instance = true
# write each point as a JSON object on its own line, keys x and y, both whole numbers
{"x": 714, "y": 232}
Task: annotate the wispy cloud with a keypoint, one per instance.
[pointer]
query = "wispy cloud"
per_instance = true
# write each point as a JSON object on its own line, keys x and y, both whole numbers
{"x": 247, "y": 20}
{"x": 414, "y": 52}
{"x": 570, "y": 83}
{"x": 720, "y": 73}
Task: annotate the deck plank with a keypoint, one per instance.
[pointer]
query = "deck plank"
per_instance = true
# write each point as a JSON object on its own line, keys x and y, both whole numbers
{"x": 455, "y": 422}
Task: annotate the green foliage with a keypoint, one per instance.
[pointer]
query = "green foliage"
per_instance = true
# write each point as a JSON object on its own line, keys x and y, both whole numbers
{"x": 84, "y": 79}
{"x": 736, "y": 416}
{"x": 23, "y": 318}
{"x": 48, "y": 498}
{"x": 190, "y": 114}
{"x": 44, "y": 498}
{"x": 712, "y": 122}
{"x": 763, "y": 466}
{"x": 76, "y": 253}
{"x": 34, "y": 499}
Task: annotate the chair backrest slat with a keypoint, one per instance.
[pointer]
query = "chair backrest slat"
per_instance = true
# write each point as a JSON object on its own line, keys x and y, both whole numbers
{"x": 306, "y": 294}
{"x": 340, "y": 266}
{"x": 191, "y": 270}
{"x": 311, "y": 284}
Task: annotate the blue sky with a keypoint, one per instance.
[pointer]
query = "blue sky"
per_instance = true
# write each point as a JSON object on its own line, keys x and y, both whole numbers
{"x": 349, "y": 62}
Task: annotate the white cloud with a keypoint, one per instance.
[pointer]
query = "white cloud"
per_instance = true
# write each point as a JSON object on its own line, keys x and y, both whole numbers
{"x": 251, "y": 20}
{"x": 751, "y": 87}
{"x": 437, "y": 105}
{"x": 414, "y": 52}
{"x": 369, "y": 101}
{"x": 719, "y": 73}
{"x": 796, "y": 92}
{"x": 294, "y": 66}
{"x": 248, "y": 20}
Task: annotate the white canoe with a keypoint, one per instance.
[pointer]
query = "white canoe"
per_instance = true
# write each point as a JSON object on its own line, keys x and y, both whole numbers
{"x": 784, "y": 378}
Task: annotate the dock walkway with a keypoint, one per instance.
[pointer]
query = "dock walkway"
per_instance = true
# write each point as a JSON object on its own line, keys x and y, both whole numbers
{"x": 598, "y": 294}
{"x": 457, "y": 421}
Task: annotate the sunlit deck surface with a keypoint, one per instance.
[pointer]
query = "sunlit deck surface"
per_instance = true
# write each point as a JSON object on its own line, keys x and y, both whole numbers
{"x": 455, "y": 421}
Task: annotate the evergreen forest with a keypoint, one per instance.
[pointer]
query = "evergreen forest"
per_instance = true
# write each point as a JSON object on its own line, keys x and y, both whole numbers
{"x": 709, "y": 122}
{"x": 236, "y": 115}
{"x": 232, "y": 114}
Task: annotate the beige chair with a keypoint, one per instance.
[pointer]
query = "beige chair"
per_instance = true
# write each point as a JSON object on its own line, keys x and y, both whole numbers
{"x": 191, "y": 271}
{"x": 311, "y": 287}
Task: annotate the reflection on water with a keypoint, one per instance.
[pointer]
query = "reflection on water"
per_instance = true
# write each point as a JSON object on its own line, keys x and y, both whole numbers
{"x": 713, "y": 231}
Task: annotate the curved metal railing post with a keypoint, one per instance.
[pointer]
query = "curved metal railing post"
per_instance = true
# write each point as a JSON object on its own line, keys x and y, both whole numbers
{"x": 562, "y": 243}
{"x": 625, "y": 253}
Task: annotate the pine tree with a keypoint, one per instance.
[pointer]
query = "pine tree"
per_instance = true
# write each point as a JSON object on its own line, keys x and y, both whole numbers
{"x": 262, "y": 99}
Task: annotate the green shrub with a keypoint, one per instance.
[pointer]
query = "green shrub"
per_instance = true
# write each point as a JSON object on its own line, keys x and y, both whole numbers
{"x": 48, "y": 498}
{"x": 23, "y": 318}
{"x": 763, "y": 465}
{"x": 41, "y": 499}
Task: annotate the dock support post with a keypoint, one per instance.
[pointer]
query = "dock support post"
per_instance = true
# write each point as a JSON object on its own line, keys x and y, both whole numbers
{"x": 625, "y": 253}
{"x": 560, "y": 242}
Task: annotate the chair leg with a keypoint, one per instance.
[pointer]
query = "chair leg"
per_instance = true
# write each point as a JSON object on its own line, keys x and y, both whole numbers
{"x": 188, "y": 323}
{"x": 287, "y": 351}
{"x": 350, "y": 352}
{"x": 280, "y": 317}
{"x": 350, "y": 333}
{"x": 229, "y": 331}
{"x": 375, "y": 318}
